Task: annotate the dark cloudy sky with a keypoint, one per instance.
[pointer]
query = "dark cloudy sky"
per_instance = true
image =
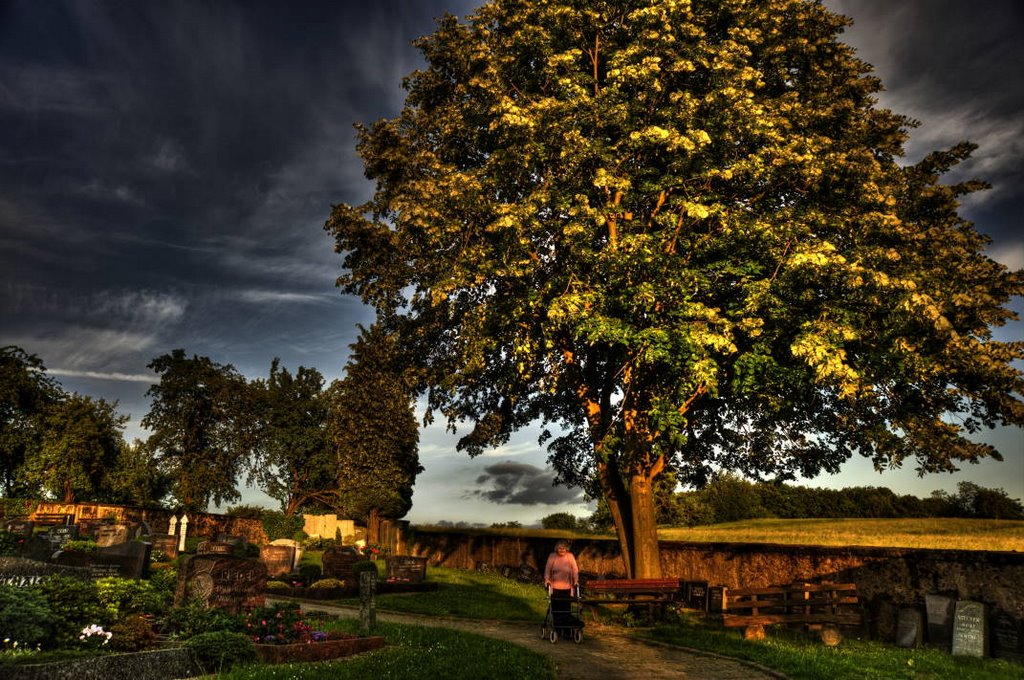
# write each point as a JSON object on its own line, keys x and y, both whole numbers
{"x": 166, "y": 169}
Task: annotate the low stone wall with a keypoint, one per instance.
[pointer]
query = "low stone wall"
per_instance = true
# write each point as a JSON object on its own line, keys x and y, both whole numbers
{"x": 900, "y": 576}
{"x": 152, "y": 665}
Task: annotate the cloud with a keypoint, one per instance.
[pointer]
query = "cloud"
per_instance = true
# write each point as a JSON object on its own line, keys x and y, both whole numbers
{"x": 273, "y": 296}
{"x": 522, "y": 484}
{"x": 98, "y": 375}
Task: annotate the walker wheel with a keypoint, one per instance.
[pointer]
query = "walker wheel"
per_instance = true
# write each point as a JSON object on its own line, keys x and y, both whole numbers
{"x": 543, "y": 631}
{"x": 577, "y": 635}
{"x": 553, "y": 636}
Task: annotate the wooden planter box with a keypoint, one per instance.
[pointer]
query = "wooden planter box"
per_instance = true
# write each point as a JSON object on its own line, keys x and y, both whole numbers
{"x": 333, "y": 648}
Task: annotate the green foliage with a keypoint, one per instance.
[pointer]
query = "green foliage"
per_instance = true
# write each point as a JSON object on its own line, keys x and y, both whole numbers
{"x": 276, "y": 585}
{"x": 193, "y": 618}
{"x": 246, "y": 511}
{"x": 281, "y": 623}
{"x": 26, "y": 393}
{"x": 138, "y": 479}
{"x": 365, "y": 565}
{"x": 978, "y": 502}
{"x": 124, "y": 596}
{"x": 328, "y": 583}
{"x": 309, "y": 572}
{"x": 293, "y": 461}
{"x": 373, "y": 430}
{"x": 682, "y": 232}
{"x": 220, "y": 651}
{"x": 560, "y": 520}
{"x": 279, "y": 525}
{"x": 319, "y": 543}
{"x": 25, "y": 616}
{"x": 74, "y": 604}
{"x": 81, "y": 545}
{"x": 9, "y": 543}
{"x": 132, "y": 633}
{"x": 199, "y": 418}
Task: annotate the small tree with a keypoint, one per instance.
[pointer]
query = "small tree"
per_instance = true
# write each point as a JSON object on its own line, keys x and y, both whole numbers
{"x": 560, "y": 520}
{"x": 26, "y": 393}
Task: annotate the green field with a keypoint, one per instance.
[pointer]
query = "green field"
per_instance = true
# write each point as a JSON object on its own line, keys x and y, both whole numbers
{"x": 941, "y": 533}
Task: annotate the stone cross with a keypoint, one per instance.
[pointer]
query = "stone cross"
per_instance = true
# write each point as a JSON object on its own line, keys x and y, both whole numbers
{"x": 172, "y": 524}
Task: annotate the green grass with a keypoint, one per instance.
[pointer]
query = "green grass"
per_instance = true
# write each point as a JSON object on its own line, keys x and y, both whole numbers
{"x": 944, "y": 533}
{"x": 415, "y": 652}
{"x": 803, "y": 656}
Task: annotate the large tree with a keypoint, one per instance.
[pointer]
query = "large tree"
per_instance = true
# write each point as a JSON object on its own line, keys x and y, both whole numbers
{"x": 374, "y": 431}
{"x": 80, "y": 447}
{"x": 201, "y": 427}
{"x": 26, "y": 393}
{"x": 680, "y": 232}
{"x": 292, "y": 460}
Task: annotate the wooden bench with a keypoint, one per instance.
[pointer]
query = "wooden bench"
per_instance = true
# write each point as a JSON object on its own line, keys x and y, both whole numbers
{"x": 822, "y": 606}
{"x": 654, "y": 593}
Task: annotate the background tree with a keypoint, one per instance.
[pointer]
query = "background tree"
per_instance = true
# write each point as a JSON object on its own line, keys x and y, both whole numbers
{"x": 679, "y": 231}
{"x": 26, "y": 392}
{"x": 79, "y": 448}
{"x": 137, "y": 478}
{"x": 202, "y": 432}
{"x": 292, "y": 461}
{"x": 374, "y": 432}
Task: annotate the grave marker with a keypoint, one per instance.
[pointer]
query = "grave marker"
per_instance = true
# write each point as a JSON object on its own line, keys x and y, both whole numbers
{"x": 229, "y": 583}
{"x": 107, "y": 535}
{"x": 278, "y": 558}
{"x": 59, "y": 534}
{"x": 970, "y": 629}
{"x": 909, "y": 628}
{"x": 21, "y": 528}
{"x": 940, "y": 619}
{"x": 1007, "y": 637}
{"x": 406, "y": 568}
{"x": 338, "y": 563}
{"x": 166, "y": 544}
{"x": 695, "y": 594}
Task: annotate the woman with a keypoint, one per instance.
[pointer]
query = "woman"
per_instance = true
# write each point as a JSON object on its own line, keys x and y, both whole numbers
{"x": 561, "y": 572}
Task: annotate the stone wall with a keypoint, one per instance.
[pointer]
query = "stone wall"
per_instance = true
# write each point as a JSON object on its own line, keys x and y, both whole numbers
{"x": 900, "y": 576}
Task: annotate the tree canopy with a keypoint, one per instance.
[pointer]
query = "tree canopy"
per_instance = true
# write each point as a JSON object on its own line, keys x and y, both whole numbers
{"x": 373, "y": 431}
{"x": 679, "y": 231}
{"x": 202, "y": 432}
{"x": 26, "y": 392}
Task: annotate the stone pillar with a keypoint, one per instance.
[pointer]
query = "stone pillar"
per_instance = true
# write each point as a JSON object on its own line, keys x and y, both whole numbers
{"x": 184, "y": 530}
{"x": 367, "y": 601}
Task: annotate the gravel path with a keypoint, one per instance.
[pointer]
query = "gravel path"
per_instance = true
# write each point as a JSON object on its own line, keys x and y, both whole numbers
{"x": 606, "y": 653}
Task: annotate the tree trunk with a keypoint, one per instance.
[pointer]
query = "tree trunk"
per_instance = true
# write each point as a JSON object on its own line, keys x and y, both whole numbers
{"x": 632, "y": 510}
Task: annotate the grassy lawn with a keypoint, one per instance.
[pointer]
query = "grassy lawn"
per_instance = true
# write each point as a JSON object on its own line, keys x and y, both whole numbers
{"x": 945, "y": 533}
{"x": 414, "y": 652}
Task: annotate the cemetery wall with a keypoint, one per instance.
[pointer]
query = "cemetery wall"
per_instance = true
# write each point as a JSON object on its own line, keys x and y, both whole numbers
{"x": 200, "y": 523}
{"x": 900, "y": 576}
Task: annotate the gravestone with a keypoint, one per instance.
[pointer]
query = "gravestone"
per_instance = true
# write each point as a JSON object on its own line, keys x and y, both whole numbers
{"x": 939, "y": 609}
{"x": 406, "y": 569}
{"x": 885, "y": 621}
{"x": 909, "y": 628}
{"x": 338, "y": 563}
{"x": 107, "y": 535}
{"x": 124, "y": 560}
{"x": 22, "y": 572}
{"x": 22, "y": 528}
{"x": 695, "y": 594}
{"x": 233, "y": 584}
{"x": 214, "y": 548}
{"x": 279, "y": 559}
{"x": 716, "y": 599}
{"x": 294, "y": 545}
{"x": 87, "y": 528}
{"x": 970, "y": 629}
{"x": 167, "y": 544}
{"x": 59, "y": 534}
{"x": 1007, "y": 637}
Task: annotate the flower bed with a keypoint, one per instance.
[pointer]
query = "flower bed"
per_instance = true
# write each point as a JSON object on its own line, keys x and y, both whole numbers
{"x": 334, "y": 647}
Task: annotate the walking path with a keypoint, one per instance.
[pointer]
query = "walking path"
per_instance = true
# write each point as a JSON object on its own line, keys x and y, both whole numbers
{"x": 606, "y": 651}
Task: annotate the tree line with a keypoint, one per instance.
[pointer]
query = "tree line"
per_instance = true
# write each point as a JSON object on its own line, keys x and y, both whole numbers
{"x": 350, "y": 447}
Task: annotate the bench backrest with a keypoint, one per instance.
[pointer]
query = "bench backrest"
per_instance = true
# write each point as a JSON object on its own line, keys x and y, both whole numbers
{"x": 623, "y": 585}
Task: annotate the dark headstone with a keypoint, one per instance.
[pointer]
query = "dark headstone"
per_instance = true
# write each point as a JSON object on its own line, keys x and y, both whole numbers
{"x": 229, "y": 583}
{"x": 215, "y": 548}
{"x": 970, "y": 629}
{"x": 22, "y": 572}
{"x": 231, "y": 540}
{"x": 279, "y": 559}
{"x": 107, "y": 535}
{"x": 716, "y": 599}
{"x": 59, "y": 535}
{"x": 22, "y": 528}
{"x": 695, "y": 594}
{"x": 87, "y": 528}
{"x": 1007, "y": 637}
{"x": 909, "y": 628}
{"x": 939, "y": 609}
{"x": 338, "y": 563}
{"x": 406, "y": 569}
{"x": 125, "y": 560}
{"x": 166, "y": 544}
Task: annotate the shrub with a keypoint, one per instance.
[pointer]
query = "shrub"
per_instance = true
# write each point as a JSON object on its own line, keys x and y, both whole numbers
{"x": 560, "y": 520}
{"x": 132, "y": 633}
{"x": 194, "y": 618}
{"x": 246, "y": 511}
{"x": 359, "y": 567}
{"x": 123, "y": 596}
{"x": 279, "y": 624}
{"x": 10, "y": 543}
{"x": 219, "y": 651}
{"x": 328, "y": 583}
{"x": 309, "y": 572}
{"x": 24, "y": 615}
{"x": 74, "y": 604}
{"x": 83, "y": 545}
{"x": 319, "y": 543}
{"x": 276, "y": 585}
{"x": 279, "y": 525}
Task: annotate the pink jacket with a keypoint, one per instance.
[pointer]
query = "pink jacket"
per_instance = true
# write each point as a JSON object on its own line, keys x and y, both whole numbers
{"x": 561, "y": 572}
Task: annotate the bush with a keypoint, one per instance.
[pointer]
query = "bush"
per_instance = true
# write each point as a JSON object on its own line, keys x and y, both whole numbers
{"x": 132, "y": 633}
{"x": 194, "y": 618}
{"x": 309, "y": 572}
{"x": 279, "y": 624}
{"x": 9, "y": 543}
{"x": 279, "y": 525}
{"x": 219, "y": 651}
{"x": 328, "y": 583}
{"x": 83, "y": 545}
{"x": 359, "y": 567}
{"x": 246, "y": 511}
{"x": 24, "y": 615}
{"x": 319, "y": 543}
{"x": 276, "y": 585}
{"x": 123, "y": 596}
{"x": 560, "y": 520}
{"x": 74, "y": 604}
